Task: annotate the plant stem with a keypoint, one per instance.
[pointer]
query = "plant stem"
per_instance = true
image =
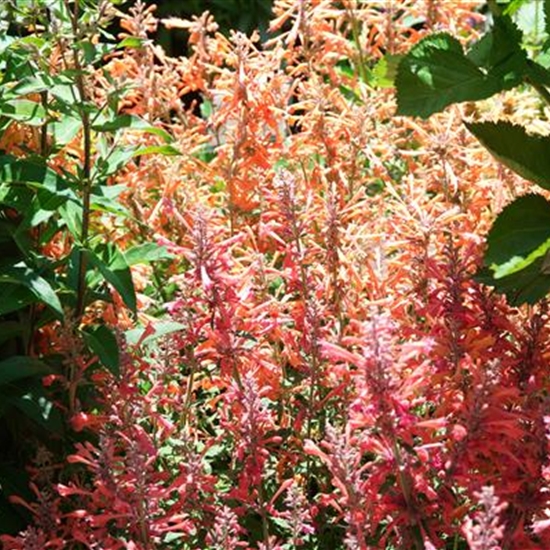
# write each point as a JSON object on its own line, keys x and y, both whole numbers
{"x": 86, "y": 166}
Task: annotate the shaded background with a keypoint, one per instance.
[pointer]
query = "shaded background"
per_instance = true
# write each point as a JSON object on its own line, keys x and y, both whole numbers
{"x": 242, "y": 15}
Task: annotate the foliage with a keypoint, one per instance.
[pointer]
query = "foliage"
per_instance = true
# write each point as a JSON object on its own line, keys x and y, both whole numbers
{"x": 436, "y": 73}
{"x": 277, "y": 342}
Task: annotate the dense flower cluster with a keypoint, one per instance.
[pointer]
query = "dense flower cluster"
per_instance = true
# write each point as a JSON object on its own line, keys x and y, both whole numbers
{"x": 326, "y": 372}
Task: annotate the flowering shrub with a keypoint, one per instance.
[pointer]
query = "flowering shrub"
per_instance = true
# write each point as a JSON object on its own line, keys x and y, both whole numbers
{"x": 311, "y": 364}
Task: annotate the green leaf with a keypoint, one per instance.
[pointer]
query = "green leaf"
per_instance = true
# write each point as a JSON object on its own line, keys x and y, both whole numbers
{"x": 39, "y": 408}
{"x": 500, "y": 55}
{"x": 509, "y": 143}
{"x": 33, "y": 173}
{"x": 132, "y": 42}
{"x": 110, "y": 261}
{"x": 519, "y": 229}
{"x": 19, "y": 367}
{"x": 14, "y": 297}
{"x": 24, "y": 275}
{"x": 385, "y": 71}
{"x": 23, "y": 110}
{"x": 145, "y": 253}
{"x": 167, "y": 150}
{"x": 436, "y": 72}
{"x": 64, "y": 130}
{"x": 517, "y": 251}
{"x": 131, "y": 122}
{"x": 103, "y": 343}
{"x": 155, "y": 331}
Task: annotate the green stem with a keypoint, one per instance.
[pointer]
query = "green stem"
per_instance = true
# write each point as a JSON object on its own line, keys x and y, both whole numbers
{"x": 86, "y": 167}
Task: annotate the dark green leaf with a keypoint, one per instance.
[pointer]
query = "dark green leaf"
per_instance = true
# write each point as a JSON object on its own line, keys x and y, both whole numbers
{"x": 18, "y": 367}
{"x": 24, "y": 275}
{"x": 14, "y": 297}
{"x": 37, "y": 407}
{"x": 436, "y": 73}
{"x": 524, "y": 153}
{"x": 519, "y": 229}
{"x": 103, "y": 343}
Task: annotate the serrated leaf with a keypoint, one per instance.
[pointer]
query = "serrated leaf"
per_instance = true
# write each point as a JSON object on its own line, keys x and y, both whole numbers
{"x": 103, "y": 343}
{"x": 525, "y": 154}
{"x": 385, "y": 71}
{"x": 436, "y": 73}
{"x": 19, "y": 367}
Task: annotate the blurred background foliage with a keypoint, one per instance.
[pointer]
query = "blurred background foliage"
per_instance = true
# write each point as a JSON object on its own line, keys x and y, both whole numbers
{"x": 241, "y": 15}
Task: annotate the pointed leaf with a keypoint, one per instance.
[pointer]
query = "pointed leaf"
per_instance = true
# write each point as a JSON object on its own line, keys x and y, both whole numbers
{"x": 116, "y": 271}
{"x": 509, "y": 143}
{"x": 19, "y": 366}
{"x": 103, "y": 343}
{"x": 131, "y": 122}
{"x": 145, "y": 253}
{"x": 24, "y": 275}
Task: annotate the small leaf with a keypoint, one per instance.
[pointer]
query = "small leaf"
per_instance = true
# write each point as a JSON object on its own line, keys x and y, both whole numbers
{"x": 154, "y": 331}
{"x": 131, "y": 122}
{"x": 525, "y": 154}
{"x": 145, "y": 253}
{"x": 103, "y": 343}
{"x": 19, "y": 367}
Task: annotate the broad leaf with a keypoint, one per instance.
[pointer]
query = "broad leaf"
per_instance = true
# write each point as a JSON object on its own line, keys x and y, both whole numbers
{"x": 519, "y": 229}
{"x": 436, "y": 73}
{"x": 525, "y": 154}
{"x": 23, "y": 110}
{"x": 517, "y": 251}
